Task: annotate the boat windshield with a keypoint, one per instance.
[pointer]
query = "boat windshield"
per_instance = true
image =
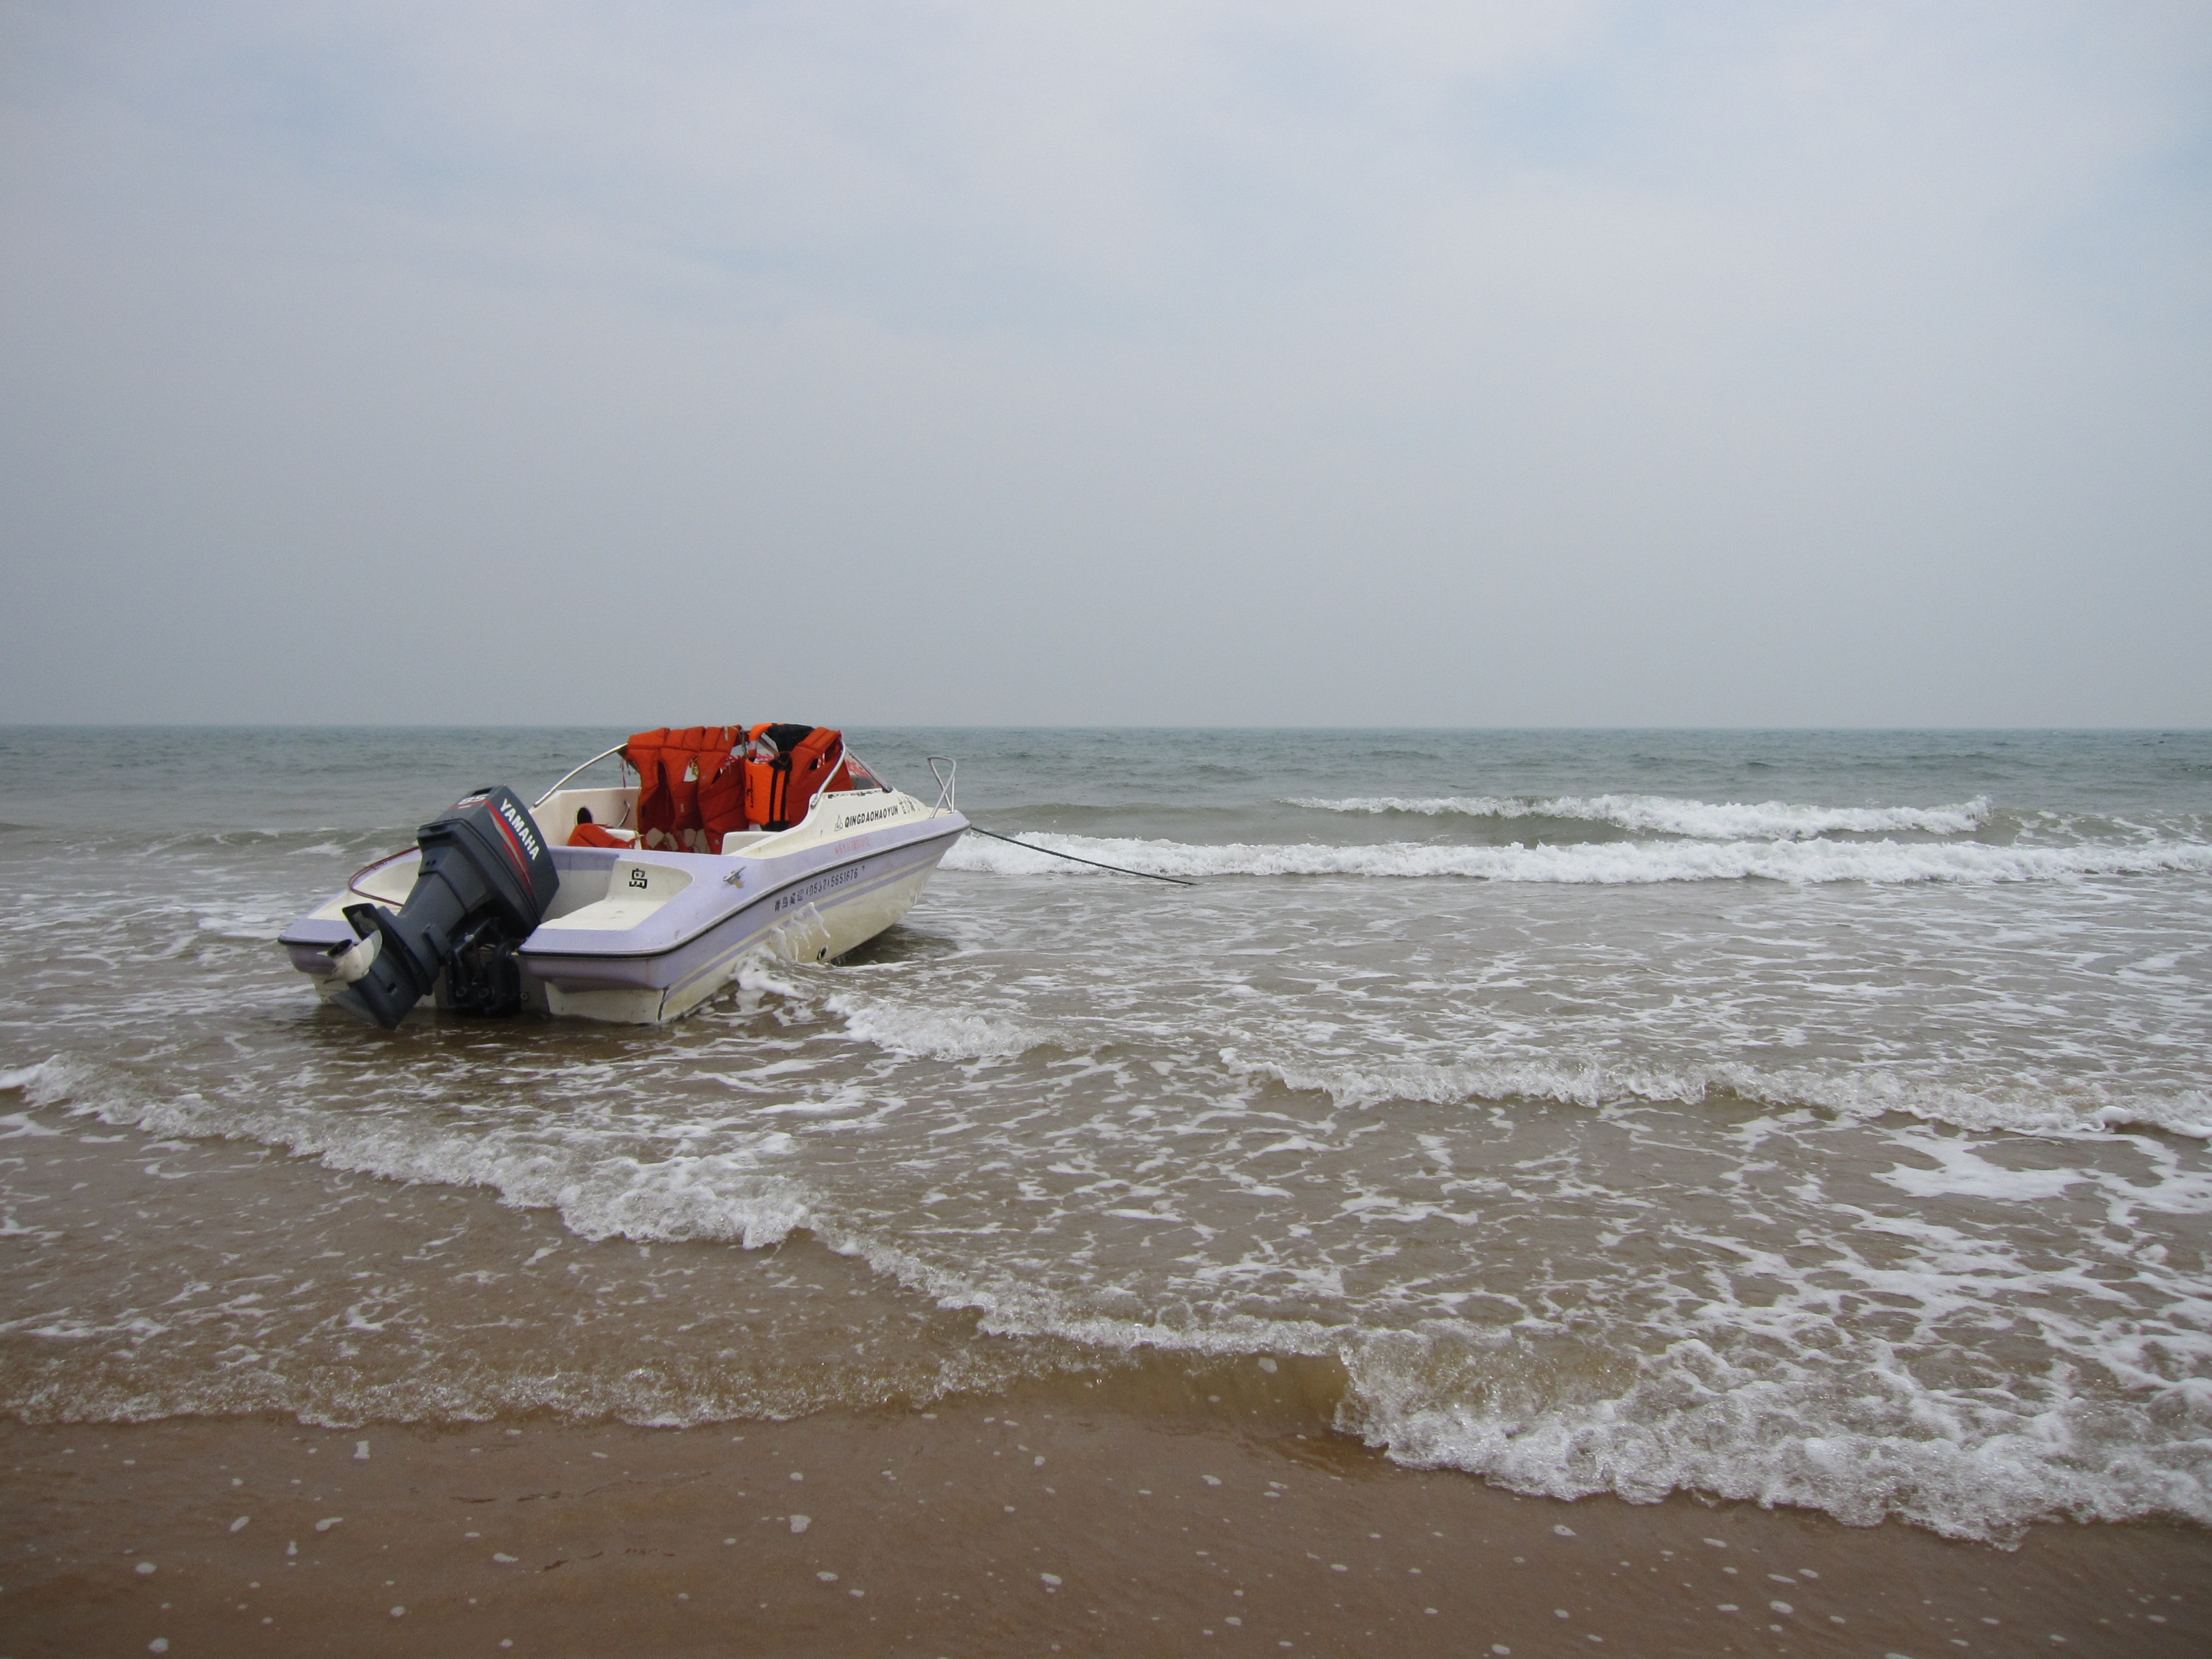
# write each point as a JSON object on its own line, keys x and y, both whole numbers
{"x": 859, "y": 776}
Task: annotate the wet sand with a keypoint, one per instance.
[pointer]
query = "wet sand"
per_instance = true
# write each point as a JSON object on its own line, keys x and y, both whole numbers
{"x": 1168, "y": 1510}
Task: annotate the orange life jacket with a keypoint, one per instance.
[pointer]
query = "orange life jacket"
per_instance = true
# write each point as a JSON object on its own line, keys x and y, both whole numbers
{"x": 785, "y": 766}
{"x": 673, "y": 766}
{"x": 590, "y": 835}
{"x": 722, "y": 793}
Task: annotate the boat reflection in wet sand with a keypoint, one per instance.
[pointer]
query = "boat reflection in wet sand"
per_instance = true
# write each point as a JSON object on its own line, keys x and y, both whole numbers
{"x": 638, "y": 901}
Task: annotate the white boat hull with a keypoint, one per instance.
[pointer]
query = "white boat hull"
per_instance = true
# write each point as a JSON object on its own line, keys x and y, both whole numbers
{"x": 644, "y": 936}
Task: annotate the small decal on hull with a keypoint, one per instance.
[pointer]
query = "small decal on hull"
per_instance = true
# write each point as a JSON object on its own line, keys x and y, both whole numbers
{"x": 808, "y": 891}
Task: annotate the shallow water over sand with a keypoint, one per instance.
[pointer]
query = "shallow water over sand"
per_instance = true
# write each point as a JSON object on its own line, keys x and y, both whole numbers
{"x": 1814, "y": 1118}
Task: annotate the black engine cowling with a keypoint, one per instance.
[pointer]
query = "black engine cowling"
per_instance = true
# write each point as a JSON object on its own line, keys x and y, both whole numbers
{"x": 486, "y": 881}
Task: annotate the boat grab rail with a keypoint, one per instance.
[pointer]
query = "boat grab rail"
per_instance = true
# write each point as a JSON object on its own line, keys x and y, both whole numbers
{"x": 946, "y": 780}
{"x": 585, "y": 767}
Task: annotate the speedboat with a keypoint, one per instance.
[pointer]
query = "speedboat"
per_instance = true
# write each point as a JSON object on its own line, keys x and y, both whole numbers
{"x": 638, "y": 901}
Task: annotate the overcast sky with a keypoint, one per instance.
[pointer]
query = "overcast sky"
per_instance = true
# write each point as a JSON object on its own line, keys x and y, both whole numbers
{"x": 1537, "y": 363}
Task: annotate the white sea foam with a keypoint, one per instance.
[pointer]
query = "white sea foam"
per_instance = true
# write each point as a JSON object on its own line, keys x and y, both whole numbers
{"x": 1759, "y": 1400}
{"x": 44, "y": 1081}
{"x": 1959, "y": 1171}
{"x": 598, "y": 1191}
{"x": 1858, "y": 1091}
{"x": 1604, "y": 863}
{"x": 1879, "y": 1444}
{"x": 1855, "y": 1433}
{"x": 933, "y": 1033}
{"x": 1666, "y": 816}
{"x": 722, "y": 1196}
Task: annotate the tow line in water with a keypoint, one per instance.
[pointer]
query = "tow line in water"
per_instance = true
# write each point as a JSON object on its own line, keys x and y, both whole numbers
{"x": 977, "y": 829}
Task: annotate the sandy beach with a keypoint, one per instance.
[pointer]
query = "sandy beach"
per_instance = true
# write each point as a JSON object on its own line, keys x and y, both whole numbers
{"x": 1169, "y": 1510}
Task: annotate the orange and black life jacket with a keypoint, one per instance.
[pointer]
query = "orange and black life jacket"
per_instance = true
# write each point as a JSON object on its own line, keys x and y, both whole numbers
{"x": 786, "y": 766}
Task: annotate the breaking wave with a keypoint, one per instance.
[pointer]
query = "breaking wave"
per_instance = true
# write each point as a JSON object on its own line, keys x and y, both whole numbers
{"x": 1859, "y": 1092}
{"x": 1664, "y": 815}
{"x": 1602, "y": 863}
{"x": 1698, "y": 1417}
{"x": 601, "y": 1186}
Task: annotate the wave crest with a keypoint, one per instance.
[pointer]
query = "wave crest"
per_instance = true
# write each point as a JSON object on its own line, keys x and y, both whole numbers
{"x": 1601, "y": 863}
{"x": 1860, "y": 1092}
{"x": 1665, "y": 815}
{"x": 1697, "y": 1418}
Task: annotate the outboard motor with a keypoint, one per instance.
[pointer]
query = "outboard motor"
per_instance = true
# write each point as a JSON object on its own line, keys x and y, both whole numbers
{"x": 487, "y": 879}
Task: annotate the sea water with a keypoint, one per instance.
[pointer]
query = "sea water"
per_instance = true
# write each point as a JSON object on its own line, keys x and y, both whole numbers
{"x": 1814, "y": 1118}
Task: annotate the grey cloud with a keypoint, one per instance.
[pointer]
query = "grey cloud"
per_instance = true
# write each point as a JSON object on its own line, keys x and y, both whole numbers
{"x": 1212, "y": 363}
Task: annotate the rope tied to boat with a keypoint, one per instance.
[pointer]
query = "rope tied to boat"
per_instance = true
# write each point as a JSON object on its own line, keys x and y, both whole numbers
{"x": 1117, "y": 869}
